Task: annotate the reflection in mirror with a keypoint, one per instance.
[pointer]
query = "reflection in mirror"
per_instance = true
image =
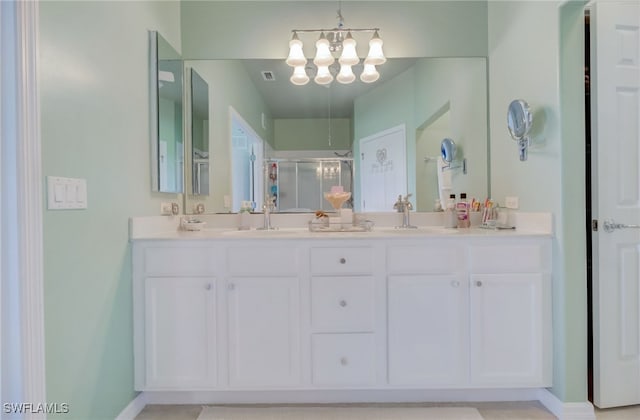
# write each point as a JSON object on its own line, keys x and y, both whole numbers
{"x": 167, "y": 145}
{"x": 199, "y": 134}
{"x": 416, "y": 96}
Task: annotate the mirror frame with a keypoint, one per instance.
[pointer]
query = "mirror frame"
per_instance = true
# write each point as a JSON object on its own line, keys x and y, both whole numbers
{"x": 155, "y": 110}
{"x": 154, "y": 122}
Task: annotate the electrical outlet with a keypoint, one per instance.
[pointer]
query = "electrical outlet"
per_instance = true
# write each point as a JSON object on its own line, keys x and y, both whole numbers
{"x": 166, "y": 209}
{"x": 511, "y": 202}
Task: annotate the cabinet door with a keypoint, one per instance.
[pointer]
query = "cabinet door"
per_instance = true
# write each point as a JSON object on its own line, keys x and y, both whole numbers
{"x": 180, "y": 331}
{"x": 509, "y": 318}
{"x": 428, "y": 330}
{"x": 263, "y": 331}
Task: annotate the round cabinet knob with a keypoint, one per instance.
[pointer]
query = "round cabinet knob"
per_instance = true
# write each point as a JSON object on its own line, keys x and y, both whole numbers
{"x": 231, "y": 286}
{"x": 479, "y": 283}
{"x": 343, "y": 303}
{"x": 343, "y": 260}
{"x": 344, "y": 361}
{"x": 208, "y": 286}
{"x": 455, "y": 283}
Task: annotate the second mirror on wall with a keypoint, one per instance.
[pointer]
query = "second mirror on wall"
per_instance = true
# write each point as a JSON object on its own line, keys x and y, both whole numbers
{"x": 199, "y": 109}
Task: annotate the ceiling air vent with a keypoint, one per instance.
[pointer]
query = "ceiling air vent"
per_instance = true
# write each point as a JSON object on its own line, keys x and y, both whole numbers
{"x": 268, "y": 76}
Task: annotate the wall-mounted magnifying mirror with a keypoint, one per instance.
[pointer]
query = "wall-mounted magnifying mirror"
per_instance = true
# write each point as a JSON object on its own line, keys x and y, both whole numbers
{"x": 519, "y": 120}
{"x": 167, "y": 144}
{"x": 448, "y": 150}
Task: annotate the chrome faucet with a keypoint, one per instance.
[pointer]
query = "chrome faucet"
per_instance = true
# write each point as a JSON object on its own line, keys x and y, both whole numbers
{"x": 404, "y": 206}
{"x": 267, "y": 208}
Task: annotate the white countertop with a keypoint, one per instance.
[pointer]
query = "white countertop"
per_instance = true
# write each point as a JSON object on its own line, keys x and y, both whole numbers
{"x": 295, "y": 226}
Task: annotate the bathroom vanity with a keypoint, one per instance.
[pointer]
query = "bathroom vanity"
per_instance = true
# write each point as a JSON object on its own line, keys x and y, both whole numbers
{"x": 430, "y": 308}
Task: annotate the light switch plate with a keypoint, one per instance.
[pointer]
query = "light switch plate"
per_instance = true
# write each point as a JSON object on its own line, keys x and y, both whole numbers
{"x": 66, "y": 193}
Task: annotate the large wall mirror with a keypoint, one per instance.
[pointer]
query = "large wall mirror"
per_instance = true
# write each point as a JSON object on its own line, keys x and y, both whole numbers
{"x": 433, "y": 98}
{"x": 166, "y": 127}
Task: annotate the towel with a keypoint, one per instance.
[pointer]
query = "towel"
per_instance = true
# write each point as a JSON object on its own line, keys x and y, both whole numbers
{"x": 444, "y": 181}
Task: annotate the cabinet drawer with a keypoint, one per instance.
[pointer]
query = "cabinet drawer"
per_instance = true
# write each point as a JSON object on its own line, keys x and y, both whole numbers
{"x": 425, "y": 259}
{"x": 179, "y": 261}
{"x": 343, "y": 260}
{"x": 343, "y": 359}
{"x": 262, "y": 261}
{"x": 514, "y": 258}
{"x": 342, "y": 304}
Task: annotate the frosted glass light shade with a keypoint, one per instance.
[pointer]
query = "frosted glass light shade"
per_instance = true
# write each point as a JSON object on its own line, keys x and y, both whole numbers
{"x": 296, "y": 55}
{"x": 346, "y": 75}
{"x": 375, "y": 56}
{"x": 299, "y": 76}
{"x": 349, "y": 55}
{"x": 323, "y": 54}
{"x": 324, "y": 76}
{"x": 369, "y": 74}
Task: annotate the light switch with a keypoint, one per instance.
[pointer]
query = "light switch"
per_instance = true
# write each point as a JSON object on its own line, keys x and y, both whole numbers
{"x": 59, "y": 193}
{"x": 71, "y": 192}
{"x": 66, "y": 193}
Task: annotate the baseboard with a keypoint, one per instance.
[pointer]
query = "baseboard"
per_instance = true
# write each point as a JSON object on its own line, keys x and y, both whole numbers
{"x": 340, "y": 396}
{"x": 133, "y": 408}
{"x": 562, "y": 410}
{"x": 566, "y": 410}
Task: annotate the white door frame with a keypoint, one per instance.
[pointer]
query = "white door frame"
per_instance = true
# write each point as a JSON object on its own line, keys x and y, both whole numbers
{"x": 23, "y": 267}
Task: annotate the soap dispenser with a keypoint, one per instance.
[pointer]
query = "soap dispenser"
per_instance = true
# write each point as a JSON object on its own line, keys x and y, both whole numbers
{"x": 450, "y": 215}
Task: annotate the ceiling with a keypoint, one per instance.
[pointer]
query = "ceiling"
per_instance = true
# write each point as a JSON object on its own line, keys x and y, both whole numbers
{"x": 286, "y": 100}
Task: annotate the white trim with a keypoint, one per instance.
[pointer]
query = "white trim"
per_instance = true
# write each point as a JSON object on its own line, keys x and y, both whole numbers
{"x": 566, "y": 410}
{"x": 30, "y": 201}
{"x": 340, "y": 396}
{"x": 562, "y": 410}
{"x": 133, "y": 408}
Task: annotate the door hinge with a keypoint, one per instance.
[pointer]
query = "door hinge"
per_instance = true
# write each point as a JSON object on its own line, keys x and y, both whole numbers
{"x": 594, "y": 225}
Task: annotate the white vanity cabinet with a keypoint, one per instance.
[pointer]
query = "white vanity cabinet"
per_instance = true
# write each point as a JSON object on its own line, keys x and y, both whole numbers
{"x": 180, "y": 332}
{"x": 428, "y": 306}
{"x": 476, "y": 314}
{"x": 510, "y": 313}
{"x": 263, "y": 315}
{"x": 345, "y": 315}
{"x": 358, "y": 312}
{"x": 175, "y": 317}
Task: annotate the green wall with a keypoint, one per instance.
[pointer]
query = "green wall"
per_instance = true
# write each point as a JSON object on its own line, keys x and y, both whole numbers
{"x": 552, "y": 179}
{"x": 312, "y": 134}
{"x": 93, "y": 82}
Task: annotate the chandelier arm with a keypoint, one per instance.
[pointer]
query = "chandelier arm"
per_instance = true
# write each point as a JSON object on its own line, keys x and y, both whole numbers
{"x": 336, "y": 30}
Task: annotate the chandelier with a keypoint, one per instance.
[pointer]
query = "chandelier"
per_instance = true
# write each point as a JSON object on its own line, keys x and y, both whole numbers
{"x": 337, "y": 41}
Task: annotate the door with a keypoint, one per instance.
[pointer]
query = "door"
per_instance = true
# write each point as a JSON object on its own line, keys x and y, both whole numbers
{"x": 508, "y": 349}
{"x": 428, "y": 330}
{"x": 615, "y": 78}
{"x": 383, "y": 169}
{"x": 263, "y": 331}
{"x": 180, "y": 326}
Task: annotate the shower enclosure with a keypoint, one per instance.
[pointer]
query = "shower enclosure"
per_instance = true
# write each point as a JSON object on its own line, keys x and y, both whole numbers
{"x": 298, "y": 185}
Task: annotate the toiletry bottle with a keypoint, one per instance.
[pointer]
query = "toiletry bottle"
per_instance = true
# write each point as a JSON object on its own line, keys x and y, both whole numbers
{"x": 245, "y": 216}
{"x": 462, "y": 209}
{"x": 450, "y": 215}
{"x": 437, "y": 205}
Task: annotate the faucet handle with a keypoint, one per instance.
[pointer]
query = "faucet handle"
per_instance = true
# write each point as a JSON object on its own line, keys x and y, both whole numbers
{"x": 399, "y": 204}
{"x": 269, "y": 203}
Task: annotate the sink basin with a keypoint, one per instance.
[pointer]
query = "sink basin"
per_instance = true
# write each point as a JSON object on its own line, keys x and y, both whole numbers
{"x": 422, "y": 230}
{"x": 263, "y": 233}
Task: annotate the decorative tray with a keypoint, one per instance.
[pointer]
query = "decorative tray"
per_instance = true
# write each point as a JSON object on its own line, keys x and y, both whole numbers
{"x": 319, "y": 225}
